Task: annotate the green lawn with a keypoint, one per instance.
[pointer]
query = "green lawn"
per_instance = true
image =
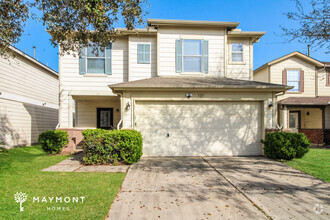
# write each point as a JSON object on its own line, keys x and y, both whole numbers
{"x": 316, "y": 163}
{"x": 20, "y": 172}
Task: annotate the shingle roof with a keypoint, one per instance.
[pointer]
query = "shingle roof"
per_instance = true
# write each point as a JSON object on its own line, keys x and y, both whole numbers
{"x": 197, "y": 83}
{"x": 320, "y": 100}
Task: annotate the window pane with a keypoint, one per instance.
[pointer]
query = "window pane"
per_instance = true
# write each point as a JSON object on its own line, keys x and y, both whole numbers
{"x": 293, "y": 75}
{"x": 95, "y": 66}
{"x": 295, "y": 84}
{"x": 238, "y": 47}
{"x": 97, "y": 52}
{"x": 237, "y": 57}
{"x": 105, "y": 119}
{"x": 192, "y": 64}
{"x": 192, "y": 47}
{"x": 292, "y": 121}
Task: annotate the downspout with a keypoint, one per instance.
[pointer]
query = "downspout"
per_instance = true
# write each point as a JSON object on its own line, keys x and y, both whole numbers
{"x": 121, "y": 109}
{"x": 226, "y": 51}
{"x": 276, "y": 113}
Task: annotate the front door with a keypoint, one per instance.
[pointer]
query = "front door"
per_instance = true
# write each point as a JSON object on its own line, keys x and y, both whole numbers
{"x": 294, "y": 121}
{"x": 105, "y": 118}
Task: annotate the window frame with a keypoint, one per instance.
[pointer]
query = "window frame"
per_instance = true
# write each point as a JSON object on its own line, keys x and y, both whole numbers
{"x": 327, "y": 75}
{"x": 201, "y": 56}
{"x": 87, "y": 57}
{"x": 299, "y": 81}
{"x": 144, "y": 54}
{"x": 236, "y": 52}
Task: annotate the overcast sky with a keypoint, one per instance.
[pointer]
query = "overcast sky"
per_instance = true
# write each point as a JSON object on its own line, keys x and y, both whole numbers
{"x": 253, "y": 15}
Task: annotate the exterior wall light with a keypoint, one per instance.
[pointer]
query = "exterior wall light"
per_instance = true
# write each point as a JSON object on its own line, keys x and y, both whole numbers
{"x": 128, "y": 106}
{"x": 188, "y": 95}
{"x": 270, "y": 105}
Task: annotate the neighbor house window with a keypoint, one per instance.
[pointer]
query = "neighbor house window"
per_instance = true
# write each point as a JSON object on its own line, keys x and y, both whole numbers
{"x": 293, "y": 79}
{"x": 143, "y": 53}
{"x": 95, "y": 60}
{"x": 237, "y": 52}
{"x": 192, "y": 55}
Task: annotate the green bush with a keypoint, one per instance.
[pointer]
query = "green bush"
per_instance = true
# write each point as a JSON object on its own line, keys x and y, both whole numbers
{"x": 286, "y": 146}
{"x": 53, "y": 141}
{"x": 110, "y": 147}
{"x": 128, "y": 144}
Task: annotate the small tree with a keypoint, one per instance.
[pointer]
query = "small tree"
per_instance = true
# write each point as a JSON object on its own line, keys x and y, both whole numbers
{"x": 20, "y": 198}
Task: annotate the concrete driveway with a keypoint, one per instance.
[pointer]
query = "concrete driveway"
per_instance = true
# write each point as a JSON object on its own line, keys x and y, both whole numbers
{"x": 219, "y": 188}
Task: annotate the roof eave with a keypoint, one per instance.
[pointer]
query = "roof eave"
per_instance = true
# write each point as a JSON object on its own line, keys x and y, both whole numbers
{"x": 167, "y": 22}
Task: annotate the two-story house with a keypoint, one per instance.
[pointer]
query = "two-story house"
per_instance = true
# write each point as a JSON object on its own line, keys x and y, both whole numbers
{"x": 186, "y": 85}
{"x": 306, "y": 107}
{"x": 28, "y": 99}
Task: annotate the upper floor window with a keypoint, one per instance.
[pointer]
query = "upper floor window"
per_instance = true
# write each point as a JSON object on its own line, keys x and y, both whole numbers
{"x": 95, "y": 60}
{"x": 293, "y": 79}
{"x": 327, "y": 72}
{"x": 143, "y": 53}
{"x": 237, "y": 52}
{"x": 192, "y": 56}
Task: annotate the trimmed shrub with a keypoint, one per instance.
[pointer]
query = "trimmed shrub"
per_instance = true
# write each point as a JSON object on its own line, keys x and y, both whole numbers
{"x": 285, "y": 146}
{"x": 110, "y": 147}
{"x": 129, "y": 145}
{"x": 53, "y": 141}
{"x": 98, "y": 147}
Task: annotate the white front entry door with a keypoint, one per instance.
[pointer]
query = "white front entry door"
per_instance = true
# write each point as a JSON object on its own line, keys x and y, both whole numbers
{"x": 294, "y": 121}
{"x": 199, "y": 128}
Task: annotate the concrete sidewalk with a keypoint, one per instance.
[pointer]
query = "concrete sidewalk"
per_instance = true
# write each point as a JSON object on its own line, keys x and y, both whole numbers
{"x": 74, "y": 164}
{"x": 219, "y": 188}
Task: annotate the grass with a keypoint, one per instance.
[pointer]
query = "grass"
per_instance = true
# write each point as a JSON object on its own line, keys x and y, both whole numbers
{"x": 316, "y": 163}
{"x": 20, "y": 171}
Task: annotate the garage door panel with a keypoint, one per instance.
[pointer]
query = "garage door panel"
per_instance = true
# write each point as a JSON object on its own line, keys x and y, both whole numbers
{"x": 196, "y": 129}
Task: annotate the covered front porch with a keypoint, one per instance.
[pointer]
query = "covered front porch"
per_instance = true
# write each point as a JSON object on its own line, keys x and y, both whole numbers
{"x": 89, "y": 112}
{"x": 310, "y": 116}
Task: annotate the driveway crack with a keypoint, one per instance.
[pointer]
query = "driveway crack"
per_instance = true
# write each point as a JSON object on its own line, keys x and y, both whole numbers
{"x": 240, "y": 191}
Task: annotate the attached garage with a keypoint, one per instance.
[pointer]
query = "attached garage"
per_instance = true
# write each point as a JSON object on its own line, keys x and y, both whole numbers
{"x": 199, "y": 128}
{"x": 198, "y": 116}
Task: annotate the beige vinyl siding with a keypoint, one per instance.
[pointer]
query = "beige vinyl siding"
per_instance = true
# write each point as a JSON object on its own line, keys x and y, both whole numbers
{"x": 140, "y": 70}
{"x": 21, "y": 123}
{"x": 262, "y": 75}
{"x": 24, "y": 78}
{"x": 87, "y": 111}
{"x": 295, "y": 63}
{"x": 239, "y": 70}
{"x": 72, "y": 80}
{"x": 166, "y": 53}
{"x": 324, "y": 89}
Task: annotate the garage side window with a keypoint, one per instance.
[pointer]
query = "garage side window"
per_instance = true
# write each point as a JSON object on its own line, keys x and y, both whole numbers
{"x": 192, "y": 56}
{"x": 95, "y": 60}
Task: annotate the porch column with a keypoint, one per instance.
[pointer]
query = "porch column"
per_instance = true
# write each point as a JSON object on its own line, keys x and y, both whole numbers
{"x": 70, "y": 119}
{"x": 285, "y": 114}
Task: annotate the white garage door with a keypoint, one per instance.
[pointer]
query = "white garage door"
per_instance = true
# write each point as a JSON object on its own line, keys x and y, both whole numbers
{"x": 199, "y": 128}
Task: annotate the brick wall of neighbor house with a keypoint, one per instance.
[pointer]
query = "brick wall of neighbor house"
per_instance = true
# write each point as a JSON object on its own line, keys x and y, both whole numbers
{"x": 314, "y": 135}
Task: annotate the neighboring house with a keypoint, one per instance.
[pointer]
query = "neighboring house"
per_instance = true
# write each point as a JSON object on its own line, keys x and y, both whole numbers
{"x": 28, "y": 99}
{"x": 306, "y": 107}
{"x": 186, "y": 85}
